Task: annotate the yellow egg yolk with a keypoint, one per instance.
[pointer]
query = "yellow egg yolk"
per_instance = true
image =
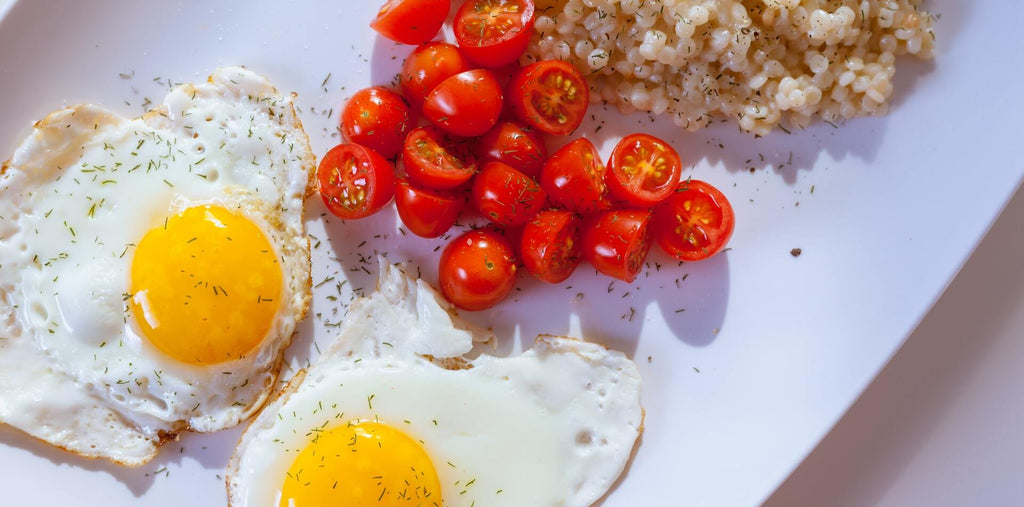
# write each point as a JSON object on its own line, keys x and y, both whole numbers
{"x": 359, "y": 464}
{"x": 205, "y": 285}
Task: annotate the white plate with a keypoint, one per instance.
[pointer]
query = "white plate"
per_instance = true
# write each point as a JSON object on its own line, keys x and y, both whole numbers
{"x": 770, "y": 349}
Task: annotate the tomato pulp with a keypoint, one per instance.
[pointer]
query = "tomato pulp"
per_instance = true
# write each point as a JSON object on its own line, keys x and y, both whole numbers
{"x": 494, "y": 33}
{"x": 643, "y": 170}
{"x": 355, "y": 181}
{"x": 550, "y": 96}
{"x": 695, "y": 222}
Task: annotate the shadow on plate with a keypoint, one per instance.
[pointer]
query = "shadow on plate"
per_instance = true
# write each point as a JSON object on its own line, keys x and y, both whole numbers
{"x": 691, "y": 299}
{"x": 211, "y": 450}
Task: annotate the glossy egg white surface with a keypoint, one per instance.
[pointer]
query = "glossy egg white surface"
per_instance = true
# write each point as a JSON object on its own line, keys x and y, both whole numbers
{"x": 77, "y": 197}
{"x": 554, "y": 425}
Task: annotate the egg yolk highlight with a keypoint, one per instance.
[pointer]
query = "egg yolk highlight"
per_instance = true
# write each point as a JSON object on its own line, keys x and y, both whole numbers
{"x": 205, "y": 285}
{"x": 359, "y": 464}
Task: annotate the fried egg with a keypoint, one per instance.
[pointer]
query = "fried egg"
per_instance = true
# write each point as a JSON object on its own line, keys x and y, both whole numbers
{"x": 152, "y": 270}
{"x": 397, "y": 412}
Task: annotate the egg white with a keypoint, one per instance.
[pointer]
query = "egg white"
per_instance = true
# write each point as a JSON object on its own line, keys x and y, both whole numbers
{"x": 75, "y": 199}
{"x": 553, "y": 426}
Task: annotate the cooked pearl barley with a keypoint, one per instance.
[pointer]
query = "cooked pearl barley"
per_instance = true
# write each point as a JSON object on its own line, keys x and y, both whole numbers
{"x": 762, "y": 62}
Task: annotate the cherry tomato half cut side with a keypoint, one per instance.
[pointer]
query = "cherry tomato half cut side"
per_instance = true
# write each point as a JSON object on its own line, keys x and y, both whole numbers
{"x": 506, "y": 196}
{"x": 616, "y": 242}
{"x": 435, "y": 160}
{"x": 550, "y": 96}
{"x": 377, "y": 118}
{"x": 643, "y": 170}
{"x": 411, "y": 21}
{"x": 695, "y": 222}
{"x": 427, "y": 213}
{"x": 355, "y": 181}
{"x": 494, "y": 33}
{"x": 574, "y": 178}
{"x": 426, "y": 67}
{"x": 477, "y": 270}
{"x": 551, "y": 245}
{"x": 467, "y": 104}
{"x": 513, "y": 144}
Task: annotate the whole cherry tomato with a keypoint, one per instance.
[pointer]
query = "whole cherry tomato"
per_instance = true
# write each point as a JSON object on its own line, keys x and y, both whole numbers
{"x": 477, "y": 270}
{"x": 427, "y": 213}
{"x": 574, "y": 178}
{"x": 355, "y": 181}
{"x": 513, "y": 144}
{"x": 434, "y": 160}
{"x": 426, "y": 67}
{"x": 643, "y": 170}
{"x": 506, "y": 196}
{"x": 616, "y": 242}
{"x": 551, "y": 245}
{"x": 695, "y": 222}
{"x": 467, "y": 104}
{"x": 411, "y": 21}
{"x": 377, "y": 118}
{"x": 550, "y": 96}
{"x": 494, "y": 33}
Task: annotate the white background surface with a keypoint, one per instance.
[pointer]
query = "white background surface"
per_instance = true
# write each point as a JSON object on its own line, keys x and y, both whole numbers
{"x": 915, "y": 434}
{"x": 943, "y": 424}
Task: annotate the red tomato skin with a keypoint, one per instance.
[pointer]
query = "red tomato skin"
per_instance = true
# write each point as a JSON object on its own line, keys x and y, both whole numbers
{"x": 506, "y": 196}
{"x": 617, "y": 242}
{"x": 574, "y": 178}
{"x": 434, "y": 170}
{"x": 494, "y": 52}
{"x": 516, "y": 145}
{"x": 379, "y": 174}
{"x": 544, "y": 85}
{"x": 427, "y": 213}
{"x": 411, "y": 21}
{"x": 377, "y": 118}
{"x": 712, "y": 236}
{"x": 426, "y": 67}
{"x": 630, "y": 191}
{"x": 467, "y": 104}
{"x": 477, "y": 270}
{"x": 551, "y": 245}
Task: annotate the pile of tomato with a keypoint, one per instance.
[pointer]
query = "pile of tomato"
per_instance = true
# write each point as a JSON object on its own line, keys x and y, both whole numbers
{"x": 463, "y": 136}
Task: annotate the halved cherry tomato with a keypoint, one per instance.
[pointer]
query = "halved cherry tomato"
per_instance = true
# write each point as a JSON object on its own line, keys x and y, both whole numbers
{"x": 616, "y": 242}
{"x": 551, "y": 245}
{"x": 477, "y": 270}
{"x": 426, "y": 67}
{"x": 513, "y": 144}
{"x": 506, "y": 196}
{"x": 427, "y": 213}
{"x": 550, "y": 96}
{"x": 494, "y": 33}
{"x": 411, "y": 21}
{"x": 643, "y": 170}
{"x": 377, "y": 118}
{"x": 574, "y": 178}
{"x": 467, "y": 104}
{"x": 355, "y": 181}
{"x": 434, "y": 160}
{"x": 695, "y": 222}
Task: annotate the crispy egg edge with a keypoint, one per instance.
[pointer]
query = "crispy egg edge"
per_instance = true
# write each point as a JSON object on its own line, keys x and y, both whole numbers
{"x": 301, "y": 302}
